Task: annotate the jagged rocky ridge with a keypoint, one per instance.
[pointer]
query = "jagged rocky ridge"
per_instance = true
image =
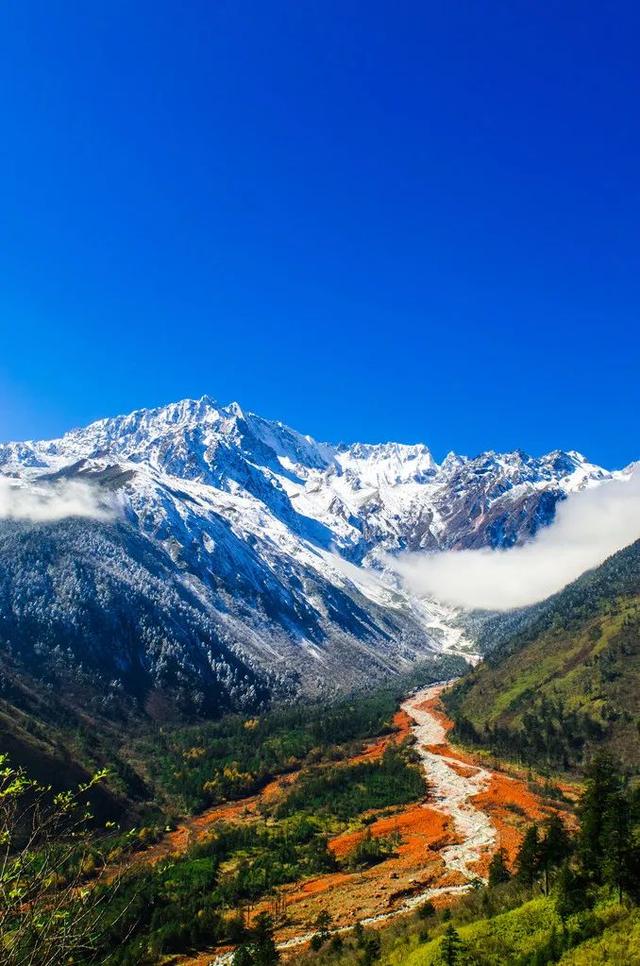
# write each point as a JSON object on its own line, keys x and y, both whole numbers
{"x": 231, "y": 557}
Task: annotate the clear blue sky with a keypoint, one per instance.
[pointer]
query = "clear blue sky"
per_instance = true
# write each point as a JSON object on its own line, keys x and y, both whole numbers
{"x": 372, "y": 220}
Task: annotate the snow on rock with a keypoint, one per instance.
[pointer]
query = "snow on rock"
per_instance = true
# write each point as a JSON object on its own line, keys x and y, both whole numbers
{"x": 282, "y": 540}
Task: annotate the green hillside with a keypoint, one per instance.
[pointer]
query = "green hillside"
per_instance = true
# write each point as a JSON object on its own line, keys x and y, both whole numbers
{"x": 567, "y": 679}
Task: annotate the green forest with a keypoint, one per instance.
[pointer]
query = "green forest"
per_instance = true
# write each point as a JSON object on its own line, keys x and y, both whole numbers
{"x": 65, "y": 872}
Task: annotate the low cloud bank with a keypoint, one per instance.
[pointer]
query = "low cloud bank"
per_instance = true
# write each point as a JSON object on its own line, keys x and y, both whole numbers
{"x": 589, "y": 527}
{"x": 41, "y": 502}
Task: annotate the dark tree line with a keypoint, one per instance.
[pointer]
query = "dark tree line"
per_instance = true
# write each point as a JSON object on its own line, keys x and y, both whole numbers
{"x": 550, "y": 735}
{"x": 603, "y": 853}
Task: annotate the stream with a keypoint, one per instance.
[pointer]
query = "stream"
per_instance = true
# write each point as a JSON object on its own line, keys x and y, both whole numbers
{"x": 449, "y": 792}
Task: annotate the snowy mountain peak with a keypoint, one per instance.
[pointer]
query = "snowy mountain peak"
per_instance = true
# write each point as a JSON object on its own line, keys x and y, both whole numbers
{"x": 389, "y": 464}
{"x": 266, "y": 547}
{"x": 389, "y": 484}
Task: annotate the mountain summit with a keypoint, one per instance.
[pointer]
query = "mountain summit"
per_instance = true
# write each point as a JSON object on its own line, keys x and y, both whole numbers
{"x": 240, "y": 557}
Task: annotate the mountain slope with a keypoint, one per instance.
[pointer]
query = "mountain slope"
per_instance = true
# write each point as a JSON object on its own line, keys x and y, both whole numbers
{"x": 221, "y": 557}
{"x": 567, "y": 680}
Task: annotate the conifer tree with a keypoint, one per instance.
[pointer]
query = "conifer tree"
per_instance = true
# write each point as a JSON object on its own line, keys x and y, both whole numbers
{"x": 451, "y": 948}
{"x": 555, "y": 847}
{"x": 262, "y": 951}
{"x": 528, "y": 858}
{"x": 572, "y": 892}
{"x": 616, "y": 843}
{"x": 266, "y": 952}
{"x": 603, "y": 783}
{"x": 498, "y": 869}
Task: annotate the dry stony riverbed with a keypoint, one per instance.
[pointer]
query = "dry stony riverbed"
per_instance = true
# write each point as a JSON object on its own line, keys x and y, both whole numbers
{"x": 446, "y": 841}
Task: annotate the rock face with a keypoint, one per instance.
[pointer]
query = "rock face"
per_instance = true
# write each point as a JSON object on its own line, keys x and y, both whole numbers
{"x": 208, "y": 554}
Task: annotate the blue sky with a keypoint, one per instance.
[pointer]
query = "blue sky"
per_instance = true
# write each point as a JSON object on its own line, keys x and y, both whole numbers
{"x": 416, "y": 221}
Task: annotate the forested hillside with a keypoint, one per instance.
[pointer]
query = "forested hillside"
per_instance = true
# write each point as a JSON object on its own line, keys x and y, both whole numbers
{"x": 61, "y": 735}
{"x": 566, "y": 680}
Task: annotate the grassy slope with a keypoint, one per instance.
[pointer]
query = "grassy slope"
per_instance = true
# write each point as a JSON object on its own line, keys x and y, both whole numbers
{"x": 507, "y": 926}
{"x": 518, "y": 935}
{"x": 519, "y": 931}
{"x": 619, "y": 943}
{"x": 581, "y": 650}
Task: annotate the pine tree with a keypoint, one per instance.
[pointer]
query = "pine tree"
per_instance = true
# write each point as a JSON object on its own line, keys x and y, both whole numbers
{"x": 243, "y": 956}
{"x": 528, "y": 858}
{"x": 609, "y": 816}
{"x": 371, "y": 949}
{"x": 324, "y": 921}
{"x": 451, "y": 948}
{"x": 262, "y": 950}
{"x": 323, "y": 930}
{"x": 498, "y": 869}
{"x": 616, "y": 842}
{"x": 572, "y": 892}
{"x": 603, "y": 783}
{"x": 555, "y": 847}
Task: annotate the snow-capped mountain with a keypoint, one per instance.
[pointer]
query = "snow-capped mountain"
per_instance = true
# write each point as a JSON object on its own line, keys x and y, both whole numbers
{"x": 227, "y": 555}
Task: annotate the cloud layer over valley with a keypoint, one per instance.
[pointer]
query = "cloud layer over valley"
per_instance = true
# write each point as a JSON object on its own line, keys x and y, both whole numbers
{"x": 48, "y": 502}
{"x": 589, "y": 527}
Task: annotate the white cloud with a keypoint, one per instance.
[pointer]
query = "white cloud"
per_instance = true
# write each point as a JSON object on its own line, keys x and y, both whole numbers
{"x": 40, "y": 502}
{"x": 589, "y": 527}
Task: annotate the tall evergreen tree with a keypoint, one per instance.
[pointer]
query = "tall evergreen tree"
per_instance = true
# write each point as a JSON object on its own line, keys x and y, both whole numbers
{"x": 616, "y": 842}
{"x": 528, "y": 857}
{"x": 266, "y": 952}
{"x": 262, "y": 951}
{"x": 555, "y": 847}
{"x": 452, "y": 948}
{"x": 571, "y": 893}
{"x": 243, "y": 956}
{"x": 603, "y": 783}
{"x": 498, "y": 869}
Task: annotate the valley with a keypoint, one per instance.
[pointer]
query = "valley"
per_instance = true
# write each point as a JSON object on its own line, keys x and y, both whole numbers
{"x": 445, "y": 843}
{"x": 296, "y": 751}
{"x": 441, "y": 845}
{"x": 371, "y": 821}
{"x": 320, "y": 484}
